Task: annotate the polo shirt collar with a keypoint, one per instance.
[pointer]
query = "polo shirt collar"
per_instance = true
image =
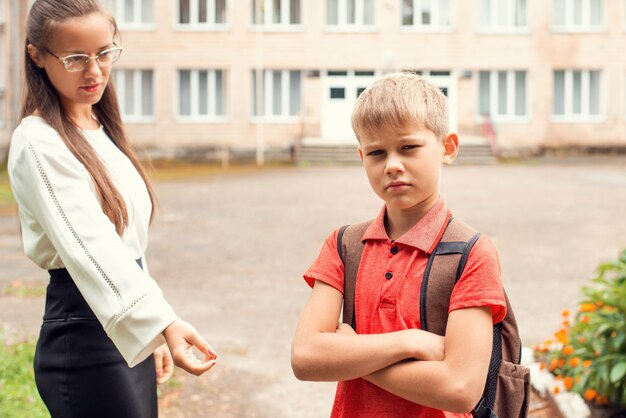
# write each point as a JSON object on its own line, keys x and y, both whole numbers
{"x": 425, "y": 234}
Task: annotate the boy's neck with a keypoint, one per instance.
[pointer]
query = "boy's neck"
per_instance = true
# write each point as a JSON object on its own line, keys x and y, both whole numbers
{"x": 399, "y": 221}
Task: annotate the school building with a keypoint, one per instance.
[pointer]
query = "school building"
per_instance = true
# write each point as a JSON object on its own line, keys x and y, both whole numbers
{"x": 202, "y": 77}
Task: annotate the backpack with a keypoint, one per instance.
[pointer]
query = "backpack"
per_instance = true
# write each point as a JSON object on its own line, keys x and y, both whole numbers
{"x": 507, "y": 389}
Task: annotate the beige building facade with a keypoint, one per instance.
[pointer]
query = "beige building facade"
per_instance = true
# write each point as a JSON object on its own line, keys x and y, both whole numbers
{"x": 255, "y": 75}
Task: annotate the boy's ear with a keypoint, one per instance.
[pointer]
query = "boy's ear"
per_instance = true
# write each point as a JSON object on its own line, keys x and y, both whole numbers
{"x": 360, "y": 152}
{"x": 451, "y": 148}
{"x": 35, "y": 55}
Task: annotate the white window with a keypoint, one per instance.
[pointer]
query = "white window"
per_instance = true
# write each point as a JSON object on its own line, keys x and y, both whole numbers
{"x": 135, "y": 92}
{"x": 503, "y": 95}
{"x": 578, "y": 15}
{"x": 350, "y": 14}
{"x": 577, "y": 95}
{"x": 503, "y": 15}
{"x": 201, "y": 94}
{"x": 430, "y": 15}
{"x": 276, "y": 94}
{"x": 131, "y": 14}
{"x": 276, "y": 14}
{"x": 201, "y": 14}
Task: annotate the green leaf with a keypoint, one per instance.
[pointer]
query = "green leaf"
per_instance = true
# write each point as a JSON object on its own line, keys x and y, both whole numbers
{"x": 618, "y": 372}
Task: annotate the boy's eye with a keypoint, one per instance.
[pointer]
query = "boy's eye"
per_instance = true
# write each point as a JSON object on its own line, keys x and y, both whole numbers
{"x": 375, "y": 152}
{"x": 409, "y": 147}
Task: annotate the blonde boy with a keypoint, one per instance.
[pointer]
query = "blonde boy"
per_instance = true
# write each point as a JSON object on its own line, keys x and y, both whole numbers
{"x": 389, "y": 367}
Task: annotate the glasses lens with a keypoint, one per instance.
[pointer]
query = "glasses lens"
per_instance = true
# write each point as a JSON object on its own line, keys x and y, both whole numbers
{"x": 76, "y": 62}
{"x": 109, "y": 56}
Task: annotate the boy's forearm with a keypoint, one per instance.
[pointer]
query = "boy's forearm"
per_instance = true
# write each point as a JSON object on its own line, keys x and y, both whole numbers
{"x": 333, "y": 356}
{"x": 436, "y": 384}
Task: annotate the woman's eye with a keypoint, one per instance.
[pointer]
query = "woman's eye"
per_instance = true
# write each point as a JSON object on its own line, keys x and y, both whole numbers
{"x": 75, "y": 59}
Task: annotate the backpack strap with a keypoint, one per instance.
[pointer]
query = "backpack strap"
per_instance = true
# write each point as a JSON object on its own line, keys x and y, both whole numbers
{"x": 350, "y": 247}
{"x": 443, "y": 269}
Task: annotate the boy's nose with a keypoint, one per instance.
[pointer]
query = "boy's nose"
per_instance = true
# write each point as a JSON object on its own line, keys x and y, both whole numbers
{"x": 394, "y": 165}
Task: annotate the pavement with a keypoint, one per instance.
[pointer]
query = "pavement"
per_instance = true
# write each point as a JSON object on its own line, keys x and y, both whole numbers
{"x": 229, "y": 251}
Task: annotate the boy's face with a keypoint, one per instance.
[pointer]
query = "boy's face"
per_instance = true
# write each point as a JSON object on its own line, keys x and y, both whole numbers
{"x": 404, "y": 165}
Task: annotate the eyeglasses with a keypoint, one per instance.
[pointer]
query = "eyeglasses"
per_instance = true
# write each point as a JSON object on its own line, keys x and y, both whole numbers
{"x": 78, "y": 62}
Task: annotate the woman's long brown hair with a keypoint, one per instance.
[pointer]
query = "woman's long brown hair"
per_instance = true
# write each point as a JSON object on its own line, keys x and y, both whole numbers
{"x": 40, "y": 95}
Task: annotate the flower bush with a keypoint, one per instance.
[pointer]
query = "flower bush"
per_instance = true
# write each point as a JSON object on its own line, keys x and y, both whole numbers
{"x": 588, "y": 352}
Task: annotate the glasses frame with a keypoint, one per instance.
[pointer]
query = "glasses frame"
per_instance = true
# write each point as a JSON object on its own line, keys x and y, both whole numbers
{"x": 87, "y": 58}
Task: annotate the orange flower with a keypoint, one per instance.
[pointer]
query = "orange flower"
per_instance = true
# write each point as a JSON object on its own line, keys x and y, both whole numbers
{"x": 556, "y": 390}
{"x": 574, "y": 361}
{"x": 561, "y": 362}
{"x": 553, "y": 364}
{"x": 559, "y": 377}
{"x": 610, "y": 308}
{"x": 614, "y": 334}
{"x": 566, "y": 323}
{"x": 582, "y": 340}
{"x": 565, "y": 313}
{"x": 542, "y": 365}
{"x": 599, "y": 303}
{"x": 587, "y": 307}
{"x": 548, "y": 342}
{"x": 590, "y": 394}
{"x": 596, "y": 353}
{"x": 568, "y": 349}
{"x": 578, "y": 379}
{"x": 584, "y": 319}
{"x": 568, "y": 382}
{"x": 561, "y": 336}
{"x": 587, "y": 363}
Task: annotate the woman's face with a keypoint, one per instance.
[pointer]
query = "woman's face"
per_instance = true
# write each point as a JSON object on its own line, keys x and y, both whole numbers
{"x": 87, "y": 35}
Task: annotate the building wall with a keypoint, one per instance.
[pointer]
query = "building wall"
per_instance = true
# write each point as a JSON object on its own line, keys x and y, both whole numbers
{"x": 463, "y": 50}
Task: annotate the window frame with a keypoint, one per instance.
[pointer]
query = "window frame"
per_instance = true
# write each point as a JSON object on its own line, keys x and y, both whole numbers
{"x": 284, "y": 117}
{"x": 510, "y": 28}
{"x": 196, "y": 26}
{"x": 510, "y": 117}
{"x": 573, "y": 118}
{"x": 585, "y": 27}
{"x": 352, "y": 27}
{"x": 285, "y": 10}
{"x": 135, "y": 25}
{"x": 196, "y": 117}
{"x": 421, "y": 28}
{"x": 121, "y": 91}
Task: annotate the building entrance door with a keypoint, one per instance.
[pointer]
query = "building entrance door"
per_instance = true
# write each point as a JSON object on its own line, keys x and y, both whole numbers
{"x": 340, "y": 91}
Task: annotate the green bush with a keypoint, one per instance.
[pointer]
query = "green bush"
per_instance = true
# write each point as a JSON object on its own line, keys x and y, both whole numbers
{"x": 18, "y": 394}
{"x": 589, "y": 355}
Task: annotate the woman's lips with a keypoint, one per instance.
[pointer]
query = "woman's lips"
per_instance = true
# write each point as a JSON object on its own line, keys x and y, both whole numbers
{"x": 92, "y": 88}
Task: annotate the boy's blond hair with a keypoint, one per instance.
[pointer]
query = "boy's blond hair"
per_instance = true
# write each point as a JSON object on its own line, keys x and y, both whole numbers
{"x": 398, "y": 99}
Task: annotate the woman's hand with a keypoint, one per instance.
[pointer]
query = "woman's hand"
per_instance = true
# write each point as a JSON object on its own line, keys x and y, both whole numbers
{"x": 181, "y": 338}
{"x": 164, "y": 364}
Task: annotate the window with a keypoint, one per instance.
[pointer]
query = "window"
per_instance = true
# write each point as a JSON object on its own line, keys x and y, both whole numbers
{"x": 201, "y": 94}
{"x": 578, "y": 15}
{"x": 427, "y": 14}
{"x": 135, "y": 92}
{"x": 201, "y": 13}
{"x": 350, "y": 14}
{"x": 503, "y": 15}
{"x": 503, "y": 95}
{"x": 276, "y": 14}
{"x": 576, "y": 94}
{"x": 276, "y": 94}
{"x": 134, "y": 13}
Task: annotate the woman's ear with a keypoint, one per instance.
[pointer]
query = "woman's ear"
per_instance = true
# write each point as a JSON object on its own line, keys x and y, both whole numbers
{"x": 35, "y": 55}
{"x": 451, "y": 148}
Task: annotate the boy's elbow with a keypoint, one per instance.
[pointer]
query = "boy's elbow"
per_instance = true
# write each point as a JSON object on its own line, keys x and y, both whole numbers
{"x": 301, "y": 363}
{"x": 464, "y": 397}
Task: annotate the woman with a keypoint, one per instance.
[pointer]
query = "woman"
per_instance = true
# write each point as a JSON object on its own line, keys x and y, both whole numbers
{"x": 85, "y": 206}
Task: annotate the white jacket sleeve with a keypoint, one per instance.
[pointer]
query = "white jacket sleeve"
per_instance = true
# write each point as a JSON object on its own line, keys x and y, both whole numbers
{"x": 55, "y": 189}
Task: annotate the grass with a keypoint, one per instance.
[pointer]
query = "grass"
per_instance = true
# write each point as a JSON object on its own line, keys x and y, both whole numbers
{"x": 7, "y": 203}
{"x": 18, "y": 394}
{"x": 22, "y": 289}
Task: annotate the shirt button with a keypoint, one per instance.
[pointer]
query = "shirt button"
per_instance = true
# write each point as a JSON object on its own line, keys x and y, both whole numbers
{"x": 388, "y": 275}
{"x": 394, "y": 250}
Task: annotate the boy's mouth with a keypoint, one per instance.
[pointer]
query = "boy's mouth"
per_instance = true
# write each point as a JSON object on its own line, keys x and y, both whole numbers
{"x": 397, "y": 185}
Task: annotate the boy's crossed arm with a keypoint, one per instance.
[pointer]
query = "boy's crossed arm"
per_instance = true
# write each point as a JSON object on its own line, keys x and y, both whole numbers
{"x": 454, "y": 382}
{"x": 323, "y": 352}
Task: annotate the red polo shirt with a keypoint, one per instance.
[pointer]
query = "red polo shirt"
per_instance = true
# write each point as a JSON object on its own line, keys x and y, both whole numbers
{"x": 385, "y": 304}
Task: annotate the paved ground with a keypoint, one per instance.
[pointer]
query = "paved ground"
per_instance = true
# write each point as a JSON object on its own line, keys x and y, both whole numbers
{"x": 229, "y": 251}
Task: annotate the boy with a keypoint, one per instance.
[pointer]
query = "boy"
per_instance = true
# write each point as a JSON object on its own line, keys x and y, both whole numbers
{"x": 388, "y": 367}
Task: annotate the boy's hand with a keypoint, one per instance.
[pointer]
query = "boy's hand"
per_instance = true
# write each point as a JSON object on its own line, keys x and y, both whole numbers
{"x": 424, "y": 345}
{"x": 344, "y": 329}
{"x": 164, "y": 364}
{"x": 181, "y": 338}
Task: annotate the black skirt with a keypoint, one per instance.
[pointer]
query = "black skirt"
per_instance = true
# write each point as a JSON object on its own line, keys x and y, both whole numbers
{"x": 78, "y": 371}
